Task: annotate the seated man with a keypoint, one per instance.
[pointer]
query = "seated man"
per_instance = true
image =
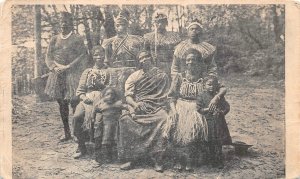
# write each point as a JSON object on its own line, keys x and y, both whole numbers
{"x": 141, "y": 130}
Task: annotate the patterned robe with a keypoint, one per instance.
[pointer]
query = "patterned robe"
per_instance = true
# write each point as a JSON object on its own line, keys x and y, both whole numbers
{"x": 142, "y": 135}
{"x": 122, "y": 52}
{"x": 207, "y": 50}
{"x": 65, "y": 51}
{"x": 165, "y": 45}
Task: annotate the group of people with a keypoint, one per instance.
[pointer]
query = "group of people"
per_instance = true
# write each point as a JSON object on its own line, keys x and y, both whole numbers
{"x": 171, "y": 103}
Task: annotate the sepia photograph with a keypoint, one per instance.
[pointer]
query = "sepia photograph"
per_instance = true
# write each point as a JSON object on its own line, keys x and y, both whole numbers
{"x": 148, "y": 91}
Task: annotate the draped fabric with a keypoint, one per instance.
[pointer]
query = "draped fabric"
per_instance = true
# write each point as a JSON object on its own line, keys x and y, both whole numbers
{"x": 142, "y": 135}
{"x": 65, "y": 51}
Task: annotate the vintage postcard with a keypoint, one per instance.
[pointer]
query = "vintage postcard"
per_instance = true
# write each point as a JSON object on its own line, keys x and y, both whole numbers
{"x": 139, "y": 89}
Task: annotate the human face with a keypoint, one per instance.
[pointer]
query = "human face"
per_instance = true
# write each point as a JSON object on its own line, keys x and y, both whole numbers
{"x": 121, "y": 28}
{"x": 66, "y": 26}
{"x": 161, "y": 24}
{"x": 194, "y": 31}
{"x": 191, "y": 61}
{"x": 145, "y": 61}
{"x": 109, "y": 95}
{"x": 98, "y": 57}
{"x": 210, "y": 85}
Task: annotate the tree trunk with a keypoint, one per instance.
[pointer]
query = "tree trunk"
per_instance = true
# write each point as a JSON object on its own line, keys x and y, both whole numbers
{"x": 276, "y": 24}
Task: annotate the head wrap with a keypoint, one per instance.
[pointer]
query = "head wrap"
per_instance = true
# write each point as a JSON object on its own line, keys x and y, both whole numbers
{"x": 195, "y": 22}
{"x": 160, "y": 17}
{"x": 123, "y": 17}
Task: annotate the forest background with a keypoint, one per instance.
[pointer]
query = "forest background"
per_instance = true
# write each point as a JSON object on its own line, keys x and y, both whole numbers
{"x": 249, "y": 38}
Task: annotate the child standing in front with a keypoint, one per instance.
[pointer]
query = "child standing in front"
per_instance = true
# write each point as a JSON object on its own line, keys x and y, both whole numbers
{"x": 109, "y": 108}
{"x": 218, "y": 133}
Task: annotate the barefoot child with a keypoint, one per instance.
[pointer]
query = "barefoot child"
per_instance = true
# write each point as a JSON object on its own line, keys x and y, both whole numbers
{"x": 218, "y": 133}
{"x": 110, "y": 109}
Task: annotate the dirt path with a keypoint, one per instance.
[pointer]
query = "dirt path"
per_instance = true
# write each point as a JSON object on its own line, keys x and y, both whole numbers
{"x": 257, "y": 110}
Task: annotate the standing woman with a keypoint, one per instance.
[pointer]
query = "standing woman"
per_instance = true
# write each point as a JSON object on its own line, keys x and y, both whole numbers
{"x": 66, "y": 59}
{"x": 186, "y": 127}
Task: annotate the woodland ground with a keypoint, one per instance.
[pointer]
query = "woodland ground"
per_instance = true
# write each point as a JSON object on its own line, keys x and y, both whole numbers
{"x": 257, "y": 111}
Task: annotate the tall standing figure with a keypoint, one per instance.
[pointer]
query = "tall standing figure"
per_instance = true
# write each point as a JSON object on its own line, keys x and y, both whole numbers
{"x": 161, "y": 43}
{"x": 122, "y": 49}
{"x": 194, "y": 41}
{"x": 66, "y": 59}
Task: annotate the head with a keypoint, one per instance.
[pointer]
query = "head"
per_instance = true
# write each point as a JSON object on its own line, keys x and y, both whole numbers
{"x": 145, "y": 60}
{"x": 121, "y": 22}
{"x": 193, "y": 58}
{"x": 194, "y": 29}
{"x": 211, "y": 83}
{"x": 98, "y": 55}
{"x": 110, "y": 95}
{"x": 161, "y": 21}
{"x": 66, "y": 22}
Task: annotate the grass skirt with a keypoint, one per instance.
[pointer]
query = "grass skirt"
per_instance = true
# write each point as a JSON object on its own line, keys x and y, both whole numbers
{"x": 190, "y": 125}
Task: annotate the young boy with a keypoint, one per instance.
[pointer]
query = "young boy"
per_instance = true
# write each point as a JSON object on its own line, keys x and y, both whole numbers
{"x": 110, "y": 108}
{"x": 218, "y": 133}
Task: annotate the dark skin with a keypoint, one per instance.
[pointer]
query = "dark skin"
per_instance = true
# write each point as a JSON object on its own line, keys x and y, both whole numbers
{"x": 66, "y": 28}
{"x": 211, "y": 87}
{"x": 191, "y": 72}
{"x": 146, "y": 65}
{"x": 161, "y": 25}
{"x": 121, "y": 29}
{"x": 98, "y": 57}
{"x": 194, "y": 33}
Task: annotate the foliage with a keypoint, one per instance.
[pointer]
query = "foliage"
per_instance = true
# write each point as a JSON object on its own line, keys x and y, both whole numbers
{"x": 249, "y": 38}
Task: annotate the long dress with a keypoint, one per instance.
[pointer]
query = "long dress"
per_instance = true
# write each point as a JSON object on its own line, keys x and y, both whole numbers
{"x": 162, "y": 48}
{"x": 142, "y": 136}
{"x": 65, "y": 51}
{"x": 218, "y": 131}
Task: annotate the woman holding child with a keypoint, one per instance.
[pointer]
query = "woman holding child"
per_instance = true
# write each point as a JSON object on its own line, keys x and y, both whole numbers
{"x": 186, "y": 127}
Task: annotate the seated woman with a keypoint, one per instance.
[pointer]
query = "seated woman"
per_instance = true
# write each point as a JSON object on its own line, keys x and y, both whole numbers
{"x": 141, "y": 130}
{"x": 92, "y": 82}
{"x": 186, "y": 128}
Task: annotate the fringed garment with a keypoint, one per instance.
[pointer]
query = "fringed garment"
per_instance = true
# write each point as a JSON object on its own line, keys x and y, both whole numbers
{"x": 65, "y": 51}
{"x": 161, "y": 46}
{"x": 190, "y": 125}
{"x": 207, "y": 51}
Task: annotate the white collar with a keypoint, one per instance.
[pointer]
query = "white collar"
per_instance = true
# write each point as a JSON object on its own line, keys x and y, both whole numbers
{"x": 67, "y": 36}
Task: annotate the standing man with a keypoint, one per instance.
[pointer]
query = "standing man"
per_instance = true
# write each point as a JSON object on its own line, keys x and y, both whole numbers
{"x": 161, "y": 43}
{"x": 66, "y": 59}
{"x": 194, "y": 41}
{"x": 122, "y": 49}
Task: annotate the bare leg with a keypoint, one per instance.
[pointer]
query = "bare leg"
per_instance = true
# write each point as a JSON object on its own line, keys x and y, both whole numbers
{"x": 64, "y": 113}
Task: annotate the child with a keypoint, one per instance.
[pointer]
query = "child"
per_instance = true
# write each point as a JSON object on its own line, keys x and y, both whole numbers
{"x": 110, "y": 109}
{"x": 218, "y": 133}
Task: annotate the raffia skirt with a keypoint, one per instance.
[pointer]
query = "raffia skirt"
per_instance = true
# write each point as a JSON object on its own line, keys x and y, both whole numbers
{"x": 190, "y": 125}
